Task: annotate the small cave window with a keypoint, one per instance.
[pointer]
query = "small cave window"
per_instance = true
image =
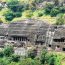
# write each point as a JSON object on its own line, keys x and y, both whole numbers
{"x": 63, "y": 49}
{"x": 55, "y": 27}
{"x": 58, "y": 46}
{"x": 49, "y": 45}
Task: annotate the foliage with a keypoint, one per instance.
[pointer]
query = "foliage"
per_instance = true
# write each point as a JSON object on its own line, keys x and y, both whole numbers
{"x": 32, "y": 54}
{"x": 48, "y": 8}
{"x": 38, "y": 13}
{"x": 29, "y": 61}
{"x": 52, "y": 60}
{"x": 13, "y": 5}
{"x": 58, "y": 60}
{"x": 55, "y": 11}
{"x": 46, "y": 58}
{"x": 62, "y": 9}
{"x": 13, "y": 63}
{"x": 1, "y": 20}
{"x": 4, "y": 61}
{"x": 1, "y": 8}
{"x": 17, "y": 14}
{"x": 39, "y": 1}
{"x": 27, "y": 14}
{"x": 1, "y": 54}
{"x": 60, "y": 20}
{"x": 15, "y": 58}
{"x": 16, "y": 6}
{"x": 9, "y": 15}
{"x": 43, "y": 57}
{"x": 28, "y": 9}
{"x": 8, "y": 51}
{"x": 49, "y": 58}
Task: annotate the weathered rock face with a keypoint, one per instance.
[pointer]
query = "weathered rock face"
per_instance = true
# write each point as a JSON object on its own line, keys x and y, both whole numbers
{"x": 3, "y": 29}
{"x": 35, "y": 31}
{"x": 29, "y": 30}
{"x": 56, "y": 37}
{"x": 26, "y": 30}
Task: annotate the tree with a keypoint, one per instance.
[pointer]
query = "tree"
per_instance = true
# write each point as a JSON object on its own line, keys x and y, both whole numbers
{"x": 8, "y": 51}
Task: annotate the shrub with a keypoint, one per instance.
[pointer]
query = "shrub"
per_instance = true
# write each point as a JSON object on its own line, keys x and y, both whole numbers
{"x": 1, "y": 21}
{"x": 29, "y": 61}
{"x": 62, "y": 9}
{"x": 58, "y": 60}
{"x": 43, "y": 57}
{"x": 52, "y": 60}
{"x": 9, "y": 16}
{"x": 1, "y": 8}
{"x": 48, "y": 8}
{"x": 13, "y": 63}
{"x": 15, "y": 58}
{"x": 2, "y": 62}
{"x": 13, "y": 5}
{"x": 1, "y": 54}
{"x": 32, "y": 54}
{"x": 40, "y": 13}
{"x": 16, "y": 6}
{"x": 27, "y": 14}
{"x": 38, "y": 1}
{"x": 60, "y": 20}
{"x": 17, "y": 14}
{"x": 54, "y": 11}
{"x": 8, "y": 51}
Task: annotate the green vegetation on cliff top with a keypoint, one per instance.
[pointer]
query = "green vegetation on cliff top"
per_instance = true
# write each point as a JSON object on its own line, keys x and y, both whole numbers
{"x": 22, "y": 9}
